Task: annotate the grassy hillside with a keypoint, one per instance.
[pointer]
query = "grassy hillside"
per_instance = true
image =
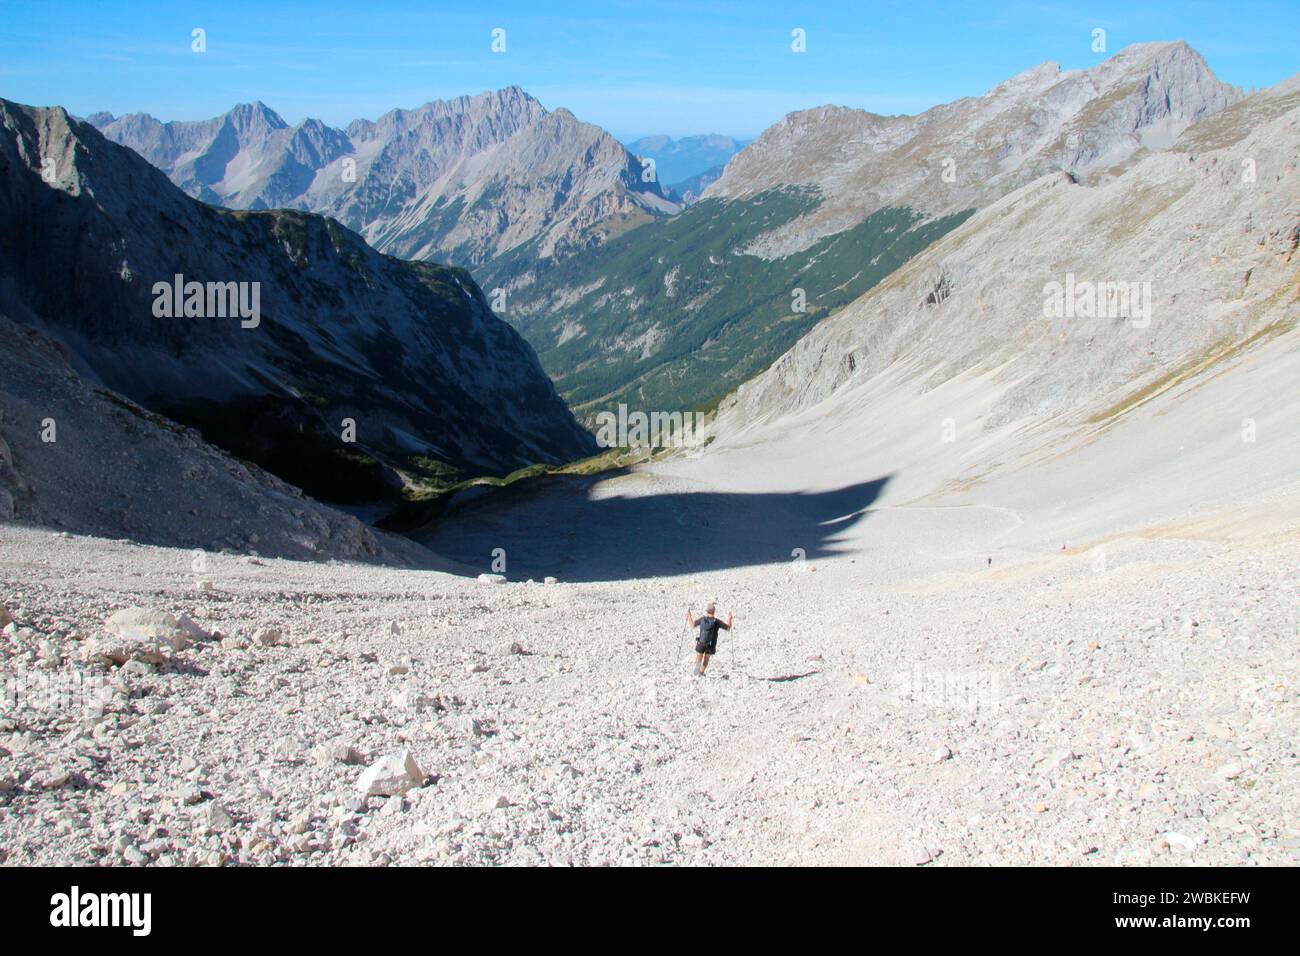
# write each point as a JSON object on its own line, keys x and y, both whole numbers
{"x": 673, "y": 314}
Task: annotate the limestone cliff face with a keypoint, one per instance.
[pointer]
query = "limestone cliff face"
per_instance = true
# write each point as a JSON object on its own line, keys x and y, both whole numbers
{"x": 1067, "y": 304}
{"x": 462, "y": 180}
{"x": 410, "y": 352}
{"x": 823, "y": 205}
{"x": 970, "y": 152}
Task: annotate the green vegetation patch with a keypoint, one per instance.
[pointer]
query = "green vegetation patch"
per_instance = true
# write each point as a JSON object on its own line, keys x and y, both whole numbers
{"x": 684, "y": 314}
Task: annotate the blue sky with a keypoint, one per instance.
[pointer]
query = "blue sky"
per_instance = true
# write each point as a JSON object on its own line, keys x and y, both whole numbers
{"x": 634, "y": 68}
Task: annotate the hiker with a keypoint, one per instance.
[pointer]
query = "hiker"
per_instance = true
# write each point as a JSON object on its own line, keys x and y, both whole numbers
{"x": 707, "y": 643}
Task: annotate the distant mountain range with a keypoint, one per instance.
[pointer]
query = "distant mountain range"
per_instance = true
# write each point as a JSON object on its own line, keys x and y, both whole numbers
{"x": 689, "y": 190}
{"x": 99, "y": 251}
{"x": 462, "y": 181}
{"x": 671, "y": 305}
{"x": 820, "y": 208}
{"x": 679, "y": 162}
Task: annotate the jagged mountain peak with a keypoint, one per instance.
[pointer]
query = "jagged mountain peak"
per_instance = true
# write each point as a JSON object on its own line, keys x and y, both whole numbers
{"x": 511, "y": 103}
{"x": 463, "y": 179}
{"x": 965, "y": 153}
{"x": 411, "y": 351}
{"x": 828, "y": 201}
{"x": 256, "y": 113}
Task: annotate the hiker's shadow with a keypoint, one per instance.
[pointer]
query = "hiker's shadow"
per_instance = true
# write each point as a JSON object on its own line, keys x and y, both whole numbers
{"x": 556, "y": 526}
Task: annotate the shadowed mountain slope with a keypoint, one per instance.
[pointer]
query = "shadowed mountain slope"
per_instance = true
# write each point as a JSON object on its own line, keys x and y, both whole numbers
{"x": 432, "y": 382}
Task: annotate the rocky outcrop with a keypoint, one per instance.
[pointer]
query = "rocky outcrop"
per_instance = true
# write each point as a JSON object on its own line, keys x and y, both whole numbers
{"x": 355, "y": 366}
{"x": 81, "y": 459}
{"x": 462, "y": 180}
{"x": 821, "y": 207}
{"x": 970, "y": 152}
{"x": 1061, "y": 309}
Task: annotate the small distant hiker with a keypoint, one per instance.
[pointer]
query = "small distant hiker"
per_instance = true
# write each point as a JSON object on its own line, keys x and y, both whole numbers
{"x": 706, "y": 645}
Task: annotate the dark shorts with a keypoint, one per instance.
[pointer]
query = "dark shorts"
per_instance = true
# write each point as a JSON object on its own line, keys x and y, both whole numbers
{"x": 706, "y": 647}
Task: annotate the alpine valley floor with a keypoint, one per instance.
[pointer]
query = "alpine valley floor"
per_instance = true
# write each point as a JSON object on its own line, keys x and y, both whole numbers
{"x": 901, "y": 701}
{"x": 1043, "y": 644}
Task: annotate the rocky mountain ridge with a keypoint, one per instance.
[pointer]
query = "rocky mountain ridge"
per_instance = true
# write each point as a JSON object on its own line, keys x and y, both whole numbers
{"x": 461, "y": 180}
{"x": 1159, "y": 301}
{"x": 358, "y": 371}
{"x": 820, "y": 207}
{"x": 969, "y": 152}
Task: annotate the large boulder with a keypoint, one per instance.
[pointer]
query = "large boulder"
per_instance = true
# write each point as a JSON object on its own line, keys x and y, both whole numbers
{"x": 140, "y": 623}
{"x": 140, "y": 634}
{"x": 391, "y": 775}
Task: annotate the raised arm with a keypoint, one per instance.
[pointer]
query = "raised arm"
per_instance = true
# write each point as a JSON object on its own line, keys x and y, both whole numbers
{"x": 729, "y": 615}
{"x": 690, "y": 618}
